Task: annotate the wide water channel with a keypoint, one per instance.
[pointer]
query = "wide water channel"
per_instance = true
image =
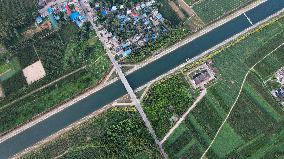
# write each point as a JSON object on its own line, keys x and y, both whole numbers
{"x": 138, "y": 78}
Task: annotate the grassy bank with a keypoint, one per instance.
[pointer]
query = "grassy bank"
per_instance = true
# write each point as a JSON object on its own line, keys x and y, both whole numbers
{"x": 117, "y": 133}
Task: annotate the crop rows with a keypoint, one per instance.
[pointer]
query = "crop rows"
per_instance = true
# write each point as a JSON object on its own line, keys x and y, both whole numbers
{"x": 210, "y": 10}
{"x": 256, "y": 111}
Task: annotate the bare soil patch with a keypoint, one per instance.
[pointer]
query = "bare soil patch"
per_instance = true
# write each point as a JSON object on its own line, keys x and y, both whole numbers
{"x": 177, "y": 10}
{"x": 34, "y": 72}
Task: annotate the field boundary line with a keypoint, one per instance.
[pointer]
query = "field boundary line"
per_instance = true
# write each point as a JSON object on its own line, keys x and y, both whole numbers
{"x": 195, "y": 3}
{"x": 44, "y": 115}
{"x": 146, "y": 90}
{"x": 44, "y": 86}
{"x": 198, "y": 99}
{"x": 235, "y": 102}
{"x": 109, "y": 75}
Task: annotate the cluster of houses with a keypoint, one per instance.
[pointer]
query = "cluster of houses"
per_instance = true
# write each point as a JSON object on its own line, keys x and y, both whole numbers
{"x": 279, "y": 93}
{"x": 127, "y": 29}
{"x": 52, "y": 9}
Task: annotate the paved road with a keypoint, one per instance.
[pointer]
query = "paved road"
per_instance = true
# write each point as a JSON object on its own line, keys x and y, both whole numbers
{"x": 138, "y": 78}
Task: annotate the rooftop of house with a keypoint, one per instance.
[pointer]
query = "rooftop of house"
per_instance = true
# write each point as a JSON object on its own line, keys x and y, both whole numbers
{"x": 279, "y": 93}
{"x": 201, "y": 77}
{"x": 280, "y": 75}
{"x": 39, "y": 19}
{"x": 74, "y": 16}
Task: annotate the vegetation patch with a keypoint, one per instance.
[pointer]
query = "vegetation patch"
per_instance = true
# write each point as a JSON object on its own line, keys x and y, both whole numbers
{"x": 227, "y": 141}
{"x": 166, "y": 101}
{"x": 117, "y": 133}
{"x": 167, "y": 40}
{"x": 8, "y": 67}
{"x": 211, "y": 10}
{"x": 61, "y": 52}
{"x": 16, "y": 15}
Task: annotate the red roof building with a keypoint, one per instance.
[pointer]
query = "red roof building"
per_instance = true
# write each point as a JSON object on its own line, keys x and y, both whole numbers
{"x": 68, "y": 11}
{"x": 134, "y": 14}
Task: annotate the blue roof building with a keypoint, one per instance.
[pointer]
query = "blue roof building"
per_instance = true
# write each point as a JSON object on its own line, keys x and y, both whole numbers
{"x": 82, "y": 17}
{"x": 50, "y": 10}
{"x": 159, "y": 16}
{"x": 79, "y": 23}
{"x": 77, "y": 18}
{"x": 104, "y": 12}
{"x": 52, "y": 18}
{"x": 39, "y": 19}
{"x": 279, "y": 93}
{"x": 146, "y": 22}
{"x": 125, "y": 45}
{"x": 154, "y": 36}
{"x": 127, "y": 52}
{"x": 74, "y": 16}
{"x": 57, "y": 17}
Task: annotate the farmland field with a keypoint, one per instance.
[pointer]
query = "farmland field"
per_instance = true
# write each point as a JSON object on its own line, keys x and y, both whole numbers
{"x": 210, "y": 10}
{"x": 117, "y": 133}
{"x": 166, "y": 100}
{"x": 61, "y": 51}
{"x": 58, "y": 58}
{"x": 257, "y": 118}
{"x": 191, "y": 2}
{"x": 7, "y": 70}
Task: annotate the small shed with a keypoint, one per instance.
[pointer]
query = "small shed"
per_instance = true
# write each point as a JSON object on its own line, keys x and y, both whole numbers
{"x": 39, "y": 19}
{"x": 127, "y": 52}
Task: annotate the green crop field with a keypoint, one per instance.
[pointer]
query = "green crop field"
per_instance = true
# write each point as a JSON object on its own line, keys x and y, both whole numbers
{"x": 5, "y": 67}
{"x": 117, "y": 133}
{"x": 210, "y": 10}
{"x": 166, "y": 99}
{"x": 7, "y": 70}
{"x": 191, "y": 2}
{"x": 61, "y": 52}
{"x": 257, "y": 118}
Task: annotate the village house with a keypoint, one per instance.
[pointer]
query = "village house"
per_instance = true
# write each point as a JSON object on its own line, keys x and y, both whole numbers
{"x": 280, "y": 75}
{"x": 52, "y": 8}
{"x": 202, "y": 75}
{"x": 279, "y": 93}
{"x": 132, "y": 27}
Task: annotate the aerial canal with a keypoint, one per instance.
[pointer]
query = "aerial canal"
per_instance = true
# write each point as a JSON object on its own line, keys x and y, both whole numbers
{"x": 138, "y": 78}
